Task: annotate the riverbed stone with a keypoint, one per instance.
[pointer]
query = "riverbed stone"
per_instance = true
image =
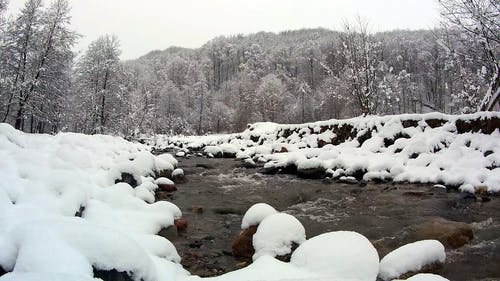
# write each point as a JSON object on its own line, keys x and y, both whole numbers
{"x": 167, "y": 187}
{"x": 452, "y": 234}
{"x": 178, "y": 176}
{"x": 197, "y": 209}
{"x": 243, "y": 243}
{"x": 311, "y": 173}
{"x": 163, "y": 174}
{"x": 111, "y": 275}
{"x": 181, "y": 224}
{"x": 433, "y": 268}
{"x": 127, "y": 178}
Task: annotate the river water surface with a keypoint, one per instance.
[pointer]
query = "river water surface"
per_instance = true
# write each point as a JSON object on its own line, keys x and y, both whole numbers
{"x": 385, "y": 213}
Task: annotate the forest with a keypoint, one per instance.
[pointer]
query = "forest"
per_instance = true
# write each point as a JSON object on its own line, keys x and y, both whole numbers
{"x": 290, "y": 77}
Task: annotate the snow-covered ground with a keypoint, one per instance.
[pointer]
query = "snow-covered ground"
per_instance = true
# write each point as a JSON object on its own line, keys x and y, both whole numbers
{"x": 61, "y": 212}
{"x": 462, "y": 151}
{"x": 62, "y": 215}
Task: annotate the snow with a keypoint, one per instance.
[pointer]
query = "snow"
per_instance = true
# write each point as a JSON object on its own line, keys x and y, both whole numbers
{"x": 267, "y": 268}
{"x": 46, "y": 180}
{"x": 177, "y": 172}
{"x": 276, "y": 234}
{"x": 255, "y": 214}
{"x": 425, "y": 277}
{"x": 416, "y": 153}
{"x": 344, "y": 255}
{"x": 212, "y": 150}
{"x": 411, "y": 257}
{"x": 62, "y": 214}
{"x": 162, "y": 180}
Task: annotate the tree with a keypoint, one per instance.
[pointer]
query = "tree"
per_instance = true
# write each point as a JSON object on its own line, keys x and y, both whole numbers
{"x": 18, "y": 53}
{"x": 271, "y": 94}
{"x": 97, "y": 83}
{"x": 38, "y": 57}
{"x": 362, "y": 57}
{"x": 478, "y": 20}
{"x": 3, "y": 7}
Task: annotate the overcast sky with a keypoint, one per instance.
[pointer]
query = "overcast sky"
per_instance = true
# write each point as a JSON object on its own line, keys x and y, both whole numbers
{"x": 146, "y": 25}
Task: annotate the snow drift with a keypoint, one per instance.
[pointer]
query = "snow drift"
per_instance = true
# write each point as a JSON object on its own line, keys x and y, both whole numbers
{"x": 63, "y": 211}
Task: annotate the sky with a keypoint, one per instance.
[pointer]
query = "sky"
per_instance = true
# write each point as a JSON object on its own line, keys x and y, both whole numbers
{"x": 146, "y": 25}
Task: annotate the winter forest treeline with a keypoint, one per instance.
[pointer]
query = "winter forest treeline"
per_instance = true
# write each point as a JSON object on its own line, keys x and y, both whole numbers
{"x": 290, "y": 77}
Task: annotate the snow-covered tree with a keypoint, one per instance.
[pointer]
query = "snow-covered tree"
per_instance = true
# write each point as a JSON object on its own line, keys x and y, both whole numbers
{"x": 362, "y": 65}
{"x": 97, "y": 86}
{"x": 479, "y": 21}
{"x": 270, "y": 94}
{"x": 36, "y": 63}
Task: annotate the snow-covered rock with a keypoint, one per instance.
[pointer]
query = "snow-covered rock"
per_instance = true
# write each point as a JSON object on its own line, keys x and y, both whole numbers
{"x": 165, "y": 184}
{"x": 455, "y": 150}
{"x": 276, "y": 235}
{"x": 255, "y": 214}
{"x": 340, "y": 255}
{"x": 411, "y": 258}
{"x": 425, "y": 277}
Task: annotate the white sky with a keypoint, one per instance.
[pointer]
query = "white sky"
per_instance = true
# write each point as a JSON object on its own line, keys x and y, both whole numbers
{"x": 146, "y": 25}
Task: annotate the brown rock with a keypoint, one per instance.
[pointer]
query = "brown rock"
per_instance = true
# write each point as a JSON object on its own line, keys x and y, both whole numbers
{"x": 167, "y": 187}
{"x": 241, "y": 264}
{"x": 433, "y": 268}
{"x": 243, "y": 243}
{"x": 281, "y": 150}
{"x": 181, "y": 224}
{"x": 197, "y": 209}
{"x": 452, "y": 234}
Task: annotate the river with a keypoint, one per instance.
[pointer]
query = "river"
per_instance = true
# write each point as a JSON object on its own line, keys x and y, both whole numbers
{"x": 218, "y": 192}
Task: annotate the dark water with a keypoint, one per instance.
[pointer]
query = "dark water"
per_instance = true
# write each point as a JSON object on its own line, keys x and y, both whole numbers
{"x": 384, "y": 213}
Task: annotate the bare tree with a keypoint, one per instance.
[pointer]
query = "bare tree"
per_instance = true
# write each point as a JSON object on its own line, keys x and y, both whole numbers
{"x": 479, "y": 20}
{"x": 361, "y": 54}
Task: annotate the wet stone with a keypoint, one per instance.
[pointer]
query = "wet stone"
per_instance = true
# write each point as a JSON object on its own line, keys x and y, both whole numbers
{"x": 127, "y": 178}
{"x": 451, "y": 233}
{"x": 197, "y": 209}
{"x": 111, "y": 275}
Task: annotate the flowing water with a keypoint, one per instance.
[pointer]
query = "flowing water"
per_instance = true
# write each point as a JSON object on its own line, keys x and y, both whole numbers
{"x": 385, "y": 213}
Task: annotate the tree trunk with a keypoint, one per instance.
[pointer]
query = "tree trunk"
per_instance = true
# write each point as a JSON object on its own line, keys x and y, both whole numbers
{"x": 201, "y": 114}
{"x": 492, "y": 97}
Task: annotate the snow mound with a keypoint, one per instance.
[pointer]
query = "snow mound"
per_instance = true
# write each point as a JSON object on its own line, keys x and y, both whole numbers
{"x": 267, "y": 268}
{"x": 177, "y": 172}
{"x": 411, "y": 257}
{"x": 340, "y": 255}
{"x": 256, "y": 214}
{"x": 159, "y": 181}
{"x": 276, "y": 234}
{"x": 425, "y": 277}
{"x": 62, "y": 214}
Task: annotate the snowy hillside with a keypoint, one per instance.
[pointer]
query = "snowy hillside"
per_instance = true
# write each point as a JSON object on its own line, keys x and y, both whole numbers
{"x": 458, "y": 151}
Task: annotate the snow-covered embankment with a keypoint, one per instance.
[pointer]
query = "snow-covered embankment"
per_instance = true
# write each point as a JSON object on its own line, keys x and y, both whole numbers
{"x": 458, "y": 151}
